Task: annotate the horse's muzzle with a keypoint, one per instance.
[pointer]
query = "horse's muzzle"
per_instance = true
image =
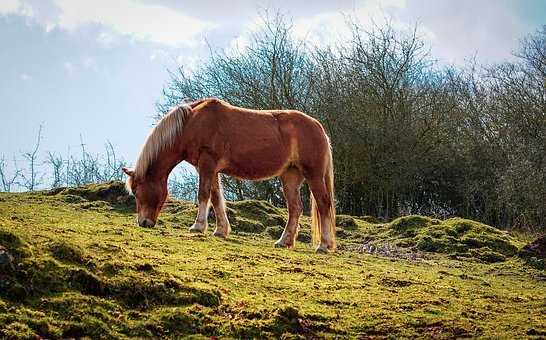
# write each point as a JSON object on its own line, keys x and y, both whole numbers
{"x": 145, "y": 222}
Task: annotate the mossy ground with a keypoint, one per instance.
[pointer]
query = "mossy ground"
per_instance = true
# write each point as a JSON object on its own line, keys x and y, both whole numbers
{"x": 81, "y": 267}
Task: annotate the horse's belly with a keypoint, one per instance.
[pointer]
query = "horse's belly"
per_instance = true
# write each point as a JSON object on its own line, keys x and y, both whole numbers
{"x": 257, "y": 164}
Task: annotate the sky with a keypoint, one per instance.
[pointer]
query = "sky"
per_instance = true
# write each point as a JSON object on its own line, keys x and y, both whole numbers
{"x": 93, "y": 70}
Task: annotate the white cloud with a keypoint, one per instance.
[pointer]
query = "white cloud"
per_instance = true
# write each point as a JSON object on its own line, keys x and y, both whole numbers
{"x": 140, "y": 20}
{"x": 331, "y": 27}
{"x": 485, "y": 30}
{"x": 9, "y": 6}
{"x": 243, "y": 40}
{"x": 327, "y": 27}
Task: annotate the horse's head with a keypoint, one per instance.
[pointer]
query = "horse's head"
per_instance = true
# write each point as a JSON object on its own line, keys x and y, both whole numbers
{"x": 150, "y": 195}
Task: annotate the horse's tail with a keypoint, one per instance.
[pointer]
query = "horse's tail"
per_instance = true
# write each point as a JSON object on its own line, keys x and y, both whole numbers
{"x": 315, "y": 222}
{"x": 331, "y": 218}
{"x": 329, "y": 179}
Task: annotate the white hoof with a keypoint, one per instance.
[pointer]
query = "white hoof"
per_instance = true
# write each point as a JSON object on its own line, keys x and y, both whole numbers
{"x": 322, "y": 249}
{"x": 281, "y": 244}
{"x": 195, "y": 228}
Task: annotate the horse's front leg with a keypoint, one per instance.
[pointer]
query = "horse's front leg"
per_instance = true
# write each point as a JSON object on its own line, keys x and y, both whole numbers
{"x": 218, "y": 203}
{"x": 206, "y": 170}
{"x": 291, "y": 183}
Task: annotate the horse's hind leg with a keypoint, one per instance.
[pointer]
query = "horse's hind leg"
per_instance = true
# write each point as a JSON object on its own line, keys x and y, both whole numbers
{"x": 218, "y": 203}
{"x": 206, "y": 170}
{"x": 324, "y": 204}
{"x": 291, "y": 183}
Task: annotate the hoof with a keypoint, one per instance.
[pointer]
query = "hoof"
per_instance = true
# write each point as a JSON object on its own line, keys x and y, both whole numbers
{"x": 195, "y": 229}
{"x": 220, "y": 234}
{"x": 281, "y": 244}
{"x": 321, "y": 249}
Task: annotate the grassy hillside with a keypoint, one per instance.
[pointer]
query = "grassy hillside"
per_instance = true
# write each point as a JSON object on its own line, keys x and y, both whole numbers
{"x": 73, "y": 263}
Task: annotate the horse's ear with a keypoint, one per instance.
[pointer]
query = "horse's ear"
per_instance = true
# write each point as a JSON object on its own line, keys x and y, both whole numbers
{"x": 128, "y": 171}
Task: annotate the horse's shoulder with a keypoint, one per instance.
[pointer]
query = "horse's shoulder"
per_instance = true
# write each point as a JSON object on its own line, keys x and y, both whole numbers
{"x": 214, "y": 102}
{"x": 209, "y": 103}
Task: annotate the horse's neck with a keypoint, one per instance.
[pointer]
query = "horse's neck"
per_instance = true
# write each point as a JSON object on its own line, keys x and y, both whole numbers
{"x": 165, "y": 162}
{"x": 168, "y": 157}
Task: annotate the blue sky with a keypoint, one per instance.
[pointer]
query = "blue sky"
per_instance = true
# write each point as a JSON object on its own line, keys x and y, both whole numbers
{"x": 96, "y": 68}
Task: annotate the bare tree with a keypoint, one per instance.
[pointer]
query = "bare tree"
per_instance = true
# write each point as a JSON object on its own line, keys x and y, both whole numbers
{"x": 111, "y": 168}
{"x": 56, "y": 162}
{"x": 8, "y": 181}
{"x": 33, "y": 178}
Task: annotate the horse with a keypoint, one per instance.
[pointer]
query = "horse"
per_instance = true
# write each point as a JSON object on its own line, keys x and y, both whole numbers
{"x": 219, "y": 138}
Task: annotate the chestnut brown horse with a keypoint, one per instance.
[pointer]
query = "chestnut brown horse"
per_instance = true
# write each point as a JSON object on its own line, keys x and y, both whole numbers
{"x": 217, "y": 137}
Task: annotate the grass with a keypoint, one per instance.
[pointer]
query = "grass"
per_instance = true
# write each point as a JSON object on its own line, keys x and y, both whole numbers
{"x": 80, "y": 267}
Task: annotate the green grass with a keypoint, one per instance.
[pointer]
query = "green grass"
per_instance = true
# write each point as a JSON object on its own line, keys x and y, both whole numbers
{"x": 81, "y": 267}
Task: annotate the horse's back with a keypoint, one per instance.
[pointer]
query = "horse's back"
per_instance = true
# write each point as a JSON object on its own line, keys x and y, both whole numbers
{"x": 302, "y": 136}
{"x": 257, "y": 144}
{"x": 247, "y": 143}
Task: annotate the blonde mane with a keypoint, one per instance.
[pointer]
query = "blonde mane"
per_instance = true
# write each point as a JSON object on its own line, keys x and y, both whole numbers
{"x": 163, "y": 135}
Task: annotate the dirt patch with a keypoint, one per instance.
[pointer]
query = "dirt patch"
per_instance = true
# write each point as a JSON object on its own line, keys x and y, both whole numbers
{"x": 392, "y": 282}
{"x": 290, "y": 320}
{"x": 534, "y": 253}
{"x": 537, "y": 248}
{"x": 388, "y": 250}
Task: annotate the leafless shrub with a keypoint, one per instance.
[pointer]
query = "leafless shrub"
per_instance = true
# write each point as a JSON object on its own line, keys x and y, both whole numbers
{"x": 32, "y": 178}
{"x": 73, "y": 170}
{"x": 183, "y": 185}
{"x": 57, "y": 163}
{"x": 92, "y": 168}
{"x": 8, "y": 180}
